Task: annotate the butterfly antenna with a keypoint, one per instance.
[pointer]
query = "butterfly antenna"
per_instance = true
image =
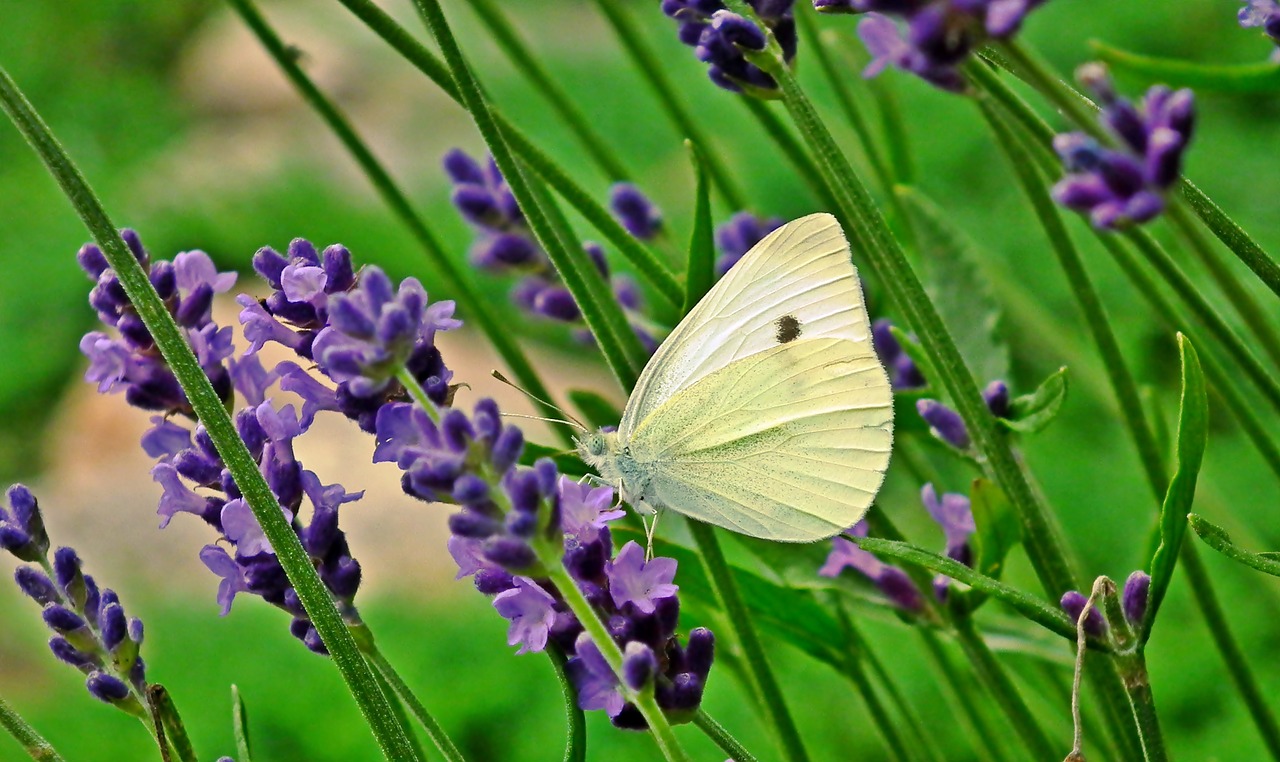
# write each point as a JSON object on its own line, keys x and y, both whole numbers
{"x": 571, "y": 422}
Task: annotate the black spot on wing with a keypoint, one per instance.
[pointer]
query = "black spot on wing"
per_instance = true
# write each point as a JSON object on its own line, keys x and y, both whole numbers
{"x": 788, "y": 328}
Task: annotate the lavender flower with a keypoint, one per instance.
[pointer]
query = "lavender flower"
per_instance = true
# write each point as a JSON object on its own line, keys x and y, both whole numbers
{"x": 903, "y": 372}
{"x": 892, "y": 581}
{"x": 719, "y": 36}
{"x": 736, "y": 237}
{"x": 131, "y": 363}
{"x": 91, "y": 631}
{"x": 953, "y": 513}
{"x": 1264, "y": 15}
{"x": 939, "y": 34}
{"x": 506, "y": 245}
{"x": 1073, "y": 602}
{"x": 945, "y": 423}
{"x": 1134, "y": 598}
{"x": 1125, "y": 185}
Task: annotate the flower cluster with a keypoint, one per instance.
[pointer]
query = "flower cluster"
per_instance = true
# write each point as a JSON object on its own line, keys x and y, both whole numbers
{"x": 508, "y": 514}
{"x": 132, "y": 363}
{"x": 951, "y": 511}
{"x": 939, "y": 34}
{"x": 719, "y": 36}
{"x": 311, "y": 291}
{"x": 736, "y": 237}
{"x": 1126, "y": 184}
{"x": 507, "y": 246}
{"x": 1133, "y": 602}
{"x": 1264, "y": 15}
{"x": 383, "y": 333}
{"x": 91, "y": 631}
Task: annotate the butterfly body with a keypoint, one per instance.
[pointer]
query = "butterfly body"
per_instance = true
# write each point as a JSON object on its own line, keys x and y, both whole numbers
{"x": 766, "y": 410}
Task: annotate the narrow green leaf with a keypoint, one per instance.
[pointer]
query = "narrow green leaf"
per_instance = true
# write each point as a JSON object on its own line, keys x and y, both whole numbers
{"x": 1032, "y": 412}
{"x": 175, "y": 732}
{"x": 240, "y": 726}
{"x": 1193, "y": 433}
{"x": 997, "y": 524}
{"x": 1031, "y": 607}
{"x": 700, "y": 274}
{"x": 597, "y": 410}
{"x": 31, "y": 741}
{"x": 1267, "y": 562}
{"x": 1263, "y": 77}
{"x": 953, "y": 280}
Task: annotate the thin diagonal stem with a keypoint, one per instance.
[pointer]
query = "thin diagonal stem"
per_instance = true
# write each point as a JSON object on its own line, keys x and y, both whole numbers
{"x": 32, "y": 742}
{"x": 647, "y": 264}
{"x": 727, "y": 743}
{"x": 436, "y": 733}
{"x": 763, "y": 682}
{"x": 543, "y": 83}
{"x": 631, "y": 35}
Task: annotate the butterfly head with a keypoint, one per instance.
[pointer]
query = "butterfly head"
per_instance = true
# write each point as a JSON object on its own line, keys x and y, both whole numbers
{"x": 599, "y": 449}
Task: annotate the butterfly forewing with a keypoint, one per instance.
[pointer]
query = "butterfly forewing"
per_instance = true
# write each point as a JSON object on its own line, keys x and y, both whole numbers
{"x": 788, "y": 444}
{"x": 797, "y": 284}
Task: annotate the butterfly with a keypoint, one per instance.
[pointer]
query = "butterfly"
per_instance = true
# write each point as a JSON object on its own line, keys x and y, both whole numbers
{"x": 766, "y": 410}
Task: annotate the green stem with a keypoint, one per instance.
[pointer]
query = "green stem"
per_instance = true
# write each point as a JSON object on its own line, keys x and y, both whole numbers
{"x": 727, "y": 743}
{"x": 763, "y": 683}
{"x": 1080, "y": 111}
{"x": 661, "y": 730}
{"x": 1137, "y": 683}
{"x": 312, "y": 593}
{"x": 965, "y": 696}
{"x": 438, "y": 737}
{"x": 575, "y": 746}
{"x": 542, "y": 82}
{"x": 856, "y": 651}
{"x": 647, "y": 264}
{"x": 1190, "y": 294}
{"x": 397, "y": 706}
{"x": 455, "y": 282}
{"x": 623, "y": 353}
{"x": 32, "y": 742}
{"x": 879, "y": 715}
{"x": 654, "y": 70}
{"x": 1237, "y": 295}
{"x": 1002, "y": 688}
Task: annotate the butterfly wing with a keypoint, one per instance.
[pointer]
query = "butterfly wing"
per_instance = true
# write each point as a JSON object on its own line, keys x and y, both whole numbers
{"x": 788, "y": 444}
{"x": 797, "y": 283}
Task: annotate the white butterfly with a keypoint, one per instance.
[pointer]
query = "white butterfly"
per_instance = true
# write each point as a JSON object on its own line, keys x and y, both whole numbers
{"x": 766, "y": 411}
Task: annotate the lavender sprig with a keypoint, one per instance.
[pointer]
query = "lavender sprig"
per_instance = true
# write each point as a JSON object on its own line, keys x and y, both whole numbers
{"x": 91, "y": 631}
{"x": 1264, "y": 15}
{"x": 1125, "y": 185}
{"x": 718, "y": 36}
{"x": 939, "y": 35}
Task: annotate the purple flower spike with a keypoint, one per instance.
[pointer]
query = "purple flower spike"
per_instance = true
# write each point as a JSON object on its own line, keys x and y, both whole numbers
{"x": 945, "y": 423}
{"x": 719, "y": 38}
{"x": 1134, "y": 599}
{"x": 638, "y": 583}
{"x": 532, "y": 613}
{"x": 1125, "y": 185}
{"x": 635, "y": 211}
{"x": 1073, "y": 603}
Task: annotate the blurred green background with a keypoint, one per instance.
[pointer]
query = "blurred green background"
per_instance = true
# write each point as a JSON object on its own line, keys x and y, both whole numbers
{"x": 190, "y": 135}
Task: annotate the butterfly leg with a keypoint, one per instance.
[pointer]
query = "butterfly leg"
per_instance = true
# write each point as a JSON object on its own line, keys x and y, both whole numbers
{"x": 650, "y": 526}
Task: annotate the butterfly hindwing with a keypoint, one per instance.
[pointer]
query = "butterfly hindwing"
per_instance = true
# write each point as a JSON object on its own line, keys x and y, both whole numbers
{"x": 790, "y": 443}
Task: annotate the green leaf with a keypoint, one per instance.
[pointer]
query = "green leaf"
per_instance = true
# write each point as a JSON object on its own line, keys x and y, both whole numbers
{"x": 240, "y": 726}
{"x": 700, "y": 274}
{"x": 1193, "y": 433}
{"x": 998, "y": 528}
{"x": 1032, "y": 412}
{"x": 1216, "y": 537}
{"x": 597, "y": 409}
{"x": 1261, "y": 77}
{"x": 953, "y": 280}
{"x": 1029, "y": 606}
